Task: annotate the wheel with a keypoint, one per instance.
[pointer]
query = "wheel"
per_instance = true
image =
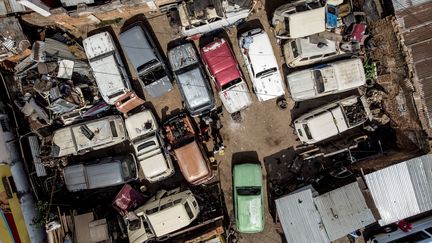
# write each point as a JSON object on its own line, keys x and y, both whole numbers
{"x": 236, "y": 116}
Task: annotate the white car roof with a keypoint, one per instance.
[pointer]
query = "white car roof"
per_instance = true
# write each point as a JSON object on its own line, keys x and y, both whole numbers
{"x": 327, "y": 124}
{"x": 261, "y": 53}
{"x": 109, "y": 78}
{"x": 307, "y": 49}
{"x": 135, "y": 124}
{"x": 269, "y": 87}
{"x": 301, "y": 84}
{"x": 307, "y": 23}
{"x": 154, "y": 165}
{"x": 349, "y": 73}
{"x": 169, "y": 220}
{"x": 98, "y": 44}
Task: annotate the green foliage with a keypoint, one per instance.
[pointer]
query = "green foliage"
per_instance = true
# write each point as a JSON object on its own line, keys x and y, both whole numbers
{"x": 115, "y": 21}
{"x": 42, "y": 208}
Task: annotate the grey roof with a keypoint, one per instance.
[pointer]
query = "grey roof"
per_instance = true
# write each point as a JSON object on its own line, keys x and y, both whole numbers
{"x": 402, "y": 5}
{"x": 300, "y": 219}
{"x": 135, "y": 44}
{"x": 343, "y": 210}
{"x": 402, "y": 190}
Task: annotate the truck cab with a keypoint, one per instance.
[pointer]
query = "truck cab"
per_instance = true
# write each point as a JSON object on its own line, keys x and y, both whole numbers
{"x": 332, "y": 119}
{"x": 163, "y": 214}
{"x": 149, "y": 147}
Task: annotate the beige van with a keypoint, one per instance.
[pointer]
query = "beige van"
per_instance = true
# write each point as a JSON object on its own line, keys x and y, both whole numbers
{"x": 163, "y": 214}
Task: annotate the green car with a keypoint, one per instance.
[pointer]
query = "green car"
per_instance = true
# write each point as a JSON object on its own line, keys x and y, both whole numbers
{"x": 248, "y": 198}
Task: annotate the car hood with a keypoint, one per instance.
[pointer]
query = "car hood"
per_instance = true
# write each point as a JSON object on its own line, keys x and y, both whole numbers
{"x": 236, "y": 97}
{"x": 269, "y": 87}
{"x": 301, "y": 85}
{"x": 159, "y": 87}
{"x": 250, "y": 214}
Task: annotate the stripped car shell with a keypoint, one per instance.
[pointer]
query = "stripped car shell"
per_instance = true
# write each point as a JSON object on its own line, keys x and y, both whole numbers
{"x": 223, "y": 69}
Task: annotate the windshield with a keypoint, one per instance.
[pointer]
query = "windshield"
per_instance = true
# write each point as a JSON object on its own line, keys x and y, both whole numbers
{"x": 232, "y": 83}
{"x": 249, "y": 191}
{"x": 319, "y": 82}
{"x": 307, "y": 131}
{"x": 294, "y": 49}
{"x": 153, "y": 75}
{"x": 266, "y": 72}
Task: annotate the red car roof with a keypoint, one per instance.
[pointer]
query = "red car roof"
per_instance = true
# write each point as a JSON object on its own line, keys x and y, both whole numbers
{"x": 220, "y": 61}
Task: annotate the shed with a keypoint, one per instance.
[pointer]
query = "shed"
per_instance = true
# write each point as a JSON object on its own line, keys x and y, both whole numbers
{"x": 323, "y": 218}
{"x": 402, "y": 190}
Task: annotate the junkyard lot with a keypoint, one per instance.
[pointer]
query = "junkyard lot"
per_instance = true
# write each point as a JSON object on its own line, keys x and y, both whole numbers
{"x": 264, "y": 129}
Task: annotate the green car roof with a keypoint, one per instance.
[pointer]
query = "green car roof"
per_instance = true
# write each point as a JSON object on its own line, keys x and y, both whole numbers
{"x": 249, "y": 209}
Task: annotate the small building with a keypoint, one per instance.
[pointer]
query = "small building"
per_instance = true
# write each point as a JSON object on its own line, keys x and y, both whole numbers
{"x": 324, "y": 218}
{"x": 402, "y": 190}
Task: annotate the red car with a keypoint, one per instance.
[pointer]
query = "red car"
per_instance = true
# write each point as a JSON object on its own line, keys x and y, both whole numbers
{"x": 224, "y": 71}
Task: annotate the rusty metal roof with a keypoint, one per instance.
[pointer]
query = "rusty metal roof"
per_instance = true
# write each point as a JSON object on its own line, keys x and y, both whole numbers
{"x": 415, "y": 21}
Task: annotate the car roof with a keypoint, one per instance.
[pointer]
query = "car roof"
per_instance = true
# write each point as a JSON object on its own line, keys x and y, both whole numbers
{"x": 182, "y": 56}
{"x": 247, "y": 175}
{"x": 221, "y": 62}
{"x": 137, "y": 47}
{"x": 192, "y": 162}
{"x": 135, "y": 124}
{"x": 169, "y": 219}
{"x": 196, "y": 90}
{"x": 308, "y": 49}
{"x": 98, "y": 44}
{"x": 261, "y": 53}
{"x": 307, "y": 23}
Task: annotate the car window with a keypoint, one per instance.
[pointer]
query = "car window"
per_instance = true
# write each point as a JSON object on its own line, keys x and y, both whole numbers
{"x": 234, "y": 82}
{"x": 304, "y": 59}
{"x": 315, "y": 57}
{"x": 151, "y": 211}
{"x": 330, "y": 54}
{"x": 300, "y": 132}
{"x": 249, "y": 191}
{"x": 146, "y": 145}
{"x": 189, "y": 210}
{"x": 429, "y": 230}
{"x": 266, "y": 72}
{"x": 319, "y": 82}
{"x": 307, "y": 131}
{"x": 412, "y": 238}
{"x": 294, "y": 49}
{"x": 166, "y": 205}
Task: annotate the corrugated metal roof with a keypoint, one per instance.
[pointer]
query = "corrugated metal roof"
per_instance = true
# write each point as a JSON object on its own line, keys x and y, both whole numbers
{"x": 300, "y": 219}
{"x": 10, "y": 6}
{"x": 402, "y": 190}
{"x": 400, "y": 5}
{"x": 414, "y": 18}
{"x": 343, "y": 210}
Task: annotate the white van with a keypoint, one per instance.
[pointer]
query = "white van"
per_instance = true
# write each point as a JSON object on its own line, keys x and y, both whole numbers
{"x": 143, "y": 132}
{"x": 165, "y": 213}
{"x": 326, "y": 79}
{"x": 261, "y": 63}
{"x": 332, "y": 119}
{"x": 421, "y": 233}
{"x": 107, "y": 66}
{"x": 299, "y": 19}
{"x": 301, "y": 51}
{"x": 86, "y": 136}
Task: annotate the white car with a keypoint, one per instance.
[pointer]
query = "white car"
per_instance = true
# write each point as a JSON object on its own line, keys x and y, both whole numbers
{"x": 301, "y": 51}
{"x": 143, "y": 131}
{"x": 200, "y": 17}
{"x": 326, "y": 79}
{"x": 332, "y": 119}
{"x": 299, "y": 19}
{"x": 107, "y": 66}
{"x": 261, "y": 63}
